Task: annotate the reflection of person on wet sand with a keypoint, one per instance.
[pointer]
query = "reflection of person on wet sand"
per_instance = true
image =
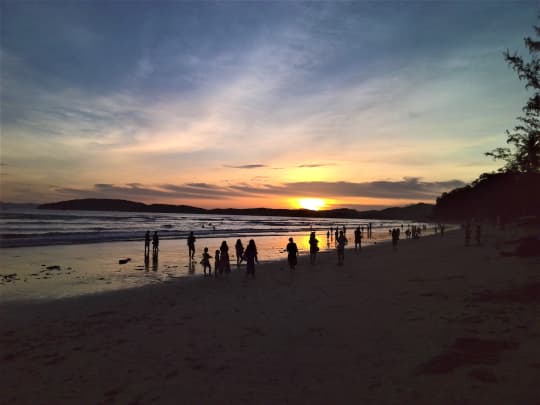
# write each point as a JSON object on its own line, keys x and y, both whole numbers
{"x": 191, "y": 245}
{"x": 154, "y": 262}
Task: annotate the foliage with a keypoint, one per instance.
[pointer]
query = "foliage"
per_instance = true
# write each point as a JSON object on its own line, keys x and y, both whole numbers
{"x": 505, "y": 195}
{"x": 525, "y": 137}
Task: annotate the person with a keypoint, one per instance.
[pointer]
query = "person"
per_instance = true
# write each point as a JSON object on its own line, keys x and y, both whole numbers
{"x": 224, "y": 262}
{"x": 328, "y": 235}
{"x": 217, "y": 262}
{"x": 155, "y": 244}
{"x": 395, "y": 237}
{"x": 250, "y": 254}
{"x": 205, "y": 261}
{"x": 478, "y": 234}
{"x": 341, "y": 242}
{"x": 467, "y": 233}
{"x": 147, "y": 244}
{"x": 313, "y": 247}
{"x": 336, "y": 234}
{"x": 292, "y": 251}
{"x": 191, "y": 245}
{"x": 239, "y": 252}
{"x": 357, "y": 238}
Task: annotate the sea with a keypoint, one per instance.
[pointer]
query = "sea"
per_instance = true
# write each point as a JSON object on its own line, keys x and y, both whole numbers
{"x": 46, "y": 254}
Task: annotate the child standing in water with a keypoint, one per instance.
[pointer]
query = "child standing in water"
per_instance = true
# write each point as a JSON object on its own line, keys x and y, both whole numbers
{"x": 217, "y": 263}
{"x": 206, "y": 261}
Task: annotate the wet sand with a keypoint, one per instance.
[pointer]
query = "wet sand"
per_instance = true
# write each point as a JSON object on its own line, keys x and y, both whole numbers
{"x": 433, "y": 322}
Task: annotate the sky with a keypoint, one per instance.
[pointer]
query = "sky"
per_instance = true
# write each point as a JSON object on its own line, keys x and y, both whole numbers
{"x": 255, "y": 104}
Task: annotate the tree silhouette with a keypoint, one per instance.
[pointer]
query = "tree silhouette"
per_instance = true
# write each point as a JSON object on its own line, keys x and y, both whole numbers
{"x": 525, "y": 137}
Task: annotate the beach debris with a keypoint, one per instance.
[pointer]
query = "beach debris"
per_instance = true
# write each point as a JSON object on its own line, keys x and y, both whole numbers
{"x": 54, "y": 267}
{"x": 8, "y": 278}
{"x": 124, "y": 261}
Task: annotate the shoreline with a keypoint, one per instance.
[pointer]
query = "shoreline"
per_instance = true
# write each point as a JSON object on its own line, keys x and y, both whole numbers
{"x": 91, "y": 268}
{"x": 433, "y": 322}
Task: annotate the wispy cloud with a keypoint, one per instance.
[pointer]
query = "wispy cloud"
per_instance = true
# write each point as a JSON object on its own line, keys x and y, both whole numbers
{"x": 253, "y": 166}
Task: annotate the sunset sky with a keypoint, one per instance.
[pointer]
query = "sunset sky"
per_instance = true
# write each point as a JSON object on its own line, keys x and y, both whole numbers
{"x": 250, "y": 104}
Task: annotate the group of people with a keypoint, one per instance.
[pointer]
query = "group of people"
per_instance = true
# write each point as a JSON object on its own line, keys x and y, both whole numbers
{"x": 222, "y": 262}
{"x": 221, "y": 257}
{"x": 155, "y": 244}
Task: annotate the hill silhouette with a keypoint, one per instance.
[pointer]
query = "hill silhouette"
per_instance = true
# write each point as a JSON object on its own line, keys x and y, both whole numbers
{"x": 504, "y": 195}
{"x": 418, "y": 212}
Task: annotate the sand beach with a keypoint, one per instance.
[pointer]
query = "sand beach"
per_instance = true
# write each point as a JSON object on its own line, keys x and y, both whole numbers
{"x": 431, "y": 322}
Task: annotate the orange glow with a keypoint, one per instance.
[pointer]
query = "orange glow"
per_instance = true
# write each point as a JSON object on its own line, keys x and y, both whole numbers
{"x": 313, "y": 204}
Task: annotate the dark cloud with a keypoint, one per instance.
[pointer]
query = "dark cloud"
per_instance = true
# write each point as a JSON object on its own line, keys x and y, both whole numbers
{"x": 255, "y": 166}
{"x": 407, "y": 189}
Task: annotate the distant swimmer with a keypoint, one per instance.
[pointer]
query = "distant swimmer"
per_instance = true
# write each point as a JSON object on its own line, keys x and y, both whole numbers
{"x": 191, "y": 245}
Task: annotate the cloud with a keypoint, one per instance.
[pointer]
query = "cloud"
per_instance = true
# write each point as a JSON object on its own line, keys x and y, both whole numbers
{"x": 406, "y": 189}
{"x": 254, "y": 166}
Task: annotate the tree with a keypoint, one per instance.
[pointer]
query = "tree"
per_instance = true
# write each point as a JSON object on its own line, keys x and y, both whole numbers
{"x": 525, "y": 137}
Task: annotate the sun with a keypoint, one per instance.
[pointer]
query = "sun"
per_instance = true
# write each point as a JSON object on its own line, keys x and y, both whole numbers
{"x": 313, "y": 204}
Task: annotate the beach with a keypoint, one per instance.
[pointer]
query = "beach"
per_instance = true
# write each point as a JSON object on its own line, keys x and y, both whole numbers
{"x": 431, "y": 322}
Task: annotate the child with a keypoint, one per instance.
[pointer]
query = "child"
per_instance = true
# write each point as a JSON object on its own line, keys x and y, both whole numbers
{"x": 217, "y": 265}
{"x": 206, "y": 261}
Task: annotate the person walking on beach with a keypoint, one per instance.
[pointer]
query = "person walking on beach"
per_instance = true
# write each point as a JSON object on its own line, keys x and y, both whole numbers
{"x": 250, "y": 254}
{"x": 467, "y": 233}
{"x": 313, "y": 247}
{"x": 205, "y": 261}
{"x": 225, "y": 264}
{"x": 191, "y": 245}
{"x": 357, "y": 238}
{"x": 341, "y": 242}
{"x": 239, "y": 252}
{"x": 395, "y": 237}
{"x": 147, "y": 244}
{"x": 155, "y": 244}
{"x": 292, "y": 251}
{"x": 478, "y": 234}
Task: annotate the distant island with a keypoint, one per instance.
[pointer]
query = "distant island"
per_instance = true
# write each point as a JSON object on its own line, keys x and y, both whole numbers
{"x": 417, "y": 212}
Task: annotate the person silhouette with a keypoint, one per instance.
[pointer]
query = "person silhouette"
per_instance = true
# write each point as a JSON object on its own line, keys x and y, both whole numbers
{"x": 250, "y": 254}
{"x": 313, "y": 247}
{"x": 357, "y": 239}
{"x": 239, "y": 252}
{"x": 341, "y": 242}
{"x": 191, "y": 245}
{"x": 225, "y": 264}
{"x": 147, "y": 244}
{"x": 155, "y": 244}
{"x": 205, "y": 261}
{"x": 292, "y": 251}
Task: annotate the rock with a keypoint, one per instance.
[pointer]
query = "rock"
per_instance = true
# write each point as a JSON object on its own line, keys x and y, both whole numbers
{"x": 124, "y": 261}
{"x": 55, "y": 267}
